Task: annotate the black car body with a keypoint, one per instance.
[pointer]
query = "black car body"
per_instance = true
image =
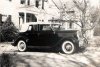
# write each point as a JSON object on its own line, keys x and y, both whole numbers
{"x": 44, "y": 35}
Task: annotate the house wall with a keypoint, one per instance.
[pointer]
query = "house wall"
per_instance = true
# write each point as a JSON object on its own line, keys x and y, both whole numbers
{"x": 14, "y": 7}
{"x": 51, "y": 11}
{"x": 5, "y": 7}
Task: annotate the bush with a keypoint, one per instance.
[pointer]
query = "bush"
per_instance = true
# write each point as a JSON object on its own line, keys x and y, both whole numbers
{"x": 7, "y": 31}
{"x": 6, "y": 60}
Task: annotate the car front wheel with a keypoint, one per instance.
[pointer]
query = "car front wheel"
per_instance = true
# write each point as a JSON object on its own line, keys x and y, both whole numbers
{"x": 21, "y": 45}
{"x": 68, "y": 47}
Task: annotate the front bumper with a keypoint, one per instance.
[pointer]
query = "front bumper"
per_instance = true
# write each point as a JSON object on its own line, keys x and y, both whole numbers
{"x": 13, "y": 43}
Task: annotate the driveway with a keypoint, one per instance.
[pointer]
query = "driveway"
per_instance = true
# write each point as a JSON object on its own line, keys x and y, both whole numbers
{"x": 44, "y": 58}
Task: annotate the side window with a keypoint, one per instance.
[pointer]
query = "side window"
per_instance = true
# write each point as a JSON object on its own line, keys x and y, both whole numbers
{"x": 45, "y": 28}
{"x": 30, "y": 28}
{"x": 33, "y": 28}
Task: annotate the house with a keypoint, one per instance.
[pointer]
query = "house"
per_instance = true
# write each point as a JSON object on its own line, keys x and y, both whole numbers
{"x": 22, "y": 11}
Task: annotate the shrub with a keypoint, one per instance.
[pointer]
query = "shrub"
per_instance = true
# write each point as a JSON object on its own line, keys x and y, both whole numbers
{"x": 6, "y": 60}
{"x": 7, "y": 31}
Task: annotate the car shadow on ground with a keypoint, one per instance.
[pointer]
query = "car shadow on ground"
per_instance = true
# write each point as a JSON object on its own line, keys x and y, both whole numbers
{"x": 81, "y": 49}
{"x": 49, "y": 50}
{"x": 45, "y": 50}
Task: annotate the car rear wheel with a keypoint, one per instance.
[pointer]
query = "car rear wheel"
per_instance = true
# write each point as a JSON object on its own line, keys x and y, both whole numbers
{"x": 68, "y": 47}
{"x": 21, "y": 45}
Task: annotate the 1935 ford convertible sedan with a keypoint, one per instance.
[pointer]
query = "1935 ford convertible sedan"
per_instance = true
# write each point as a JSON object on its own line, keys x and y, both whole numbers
{"x": 44, "y": 35}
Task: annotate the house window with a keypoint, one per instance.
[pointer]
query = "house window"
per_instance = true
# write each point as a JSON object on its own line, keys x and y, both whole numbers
{"x": 37, "y": 3}
{"x": 46, "y": 0}
{"x": 22, "y": 2}
{"x": 42, "y": 4}
{"x": 21, "y": 19}
{"x": 31, "y": 18}
{"x": 21, "y": 15}
{"x": 70, "y": 25}
{"x": 28, "y": 2}
{"x": 10, "y": 0}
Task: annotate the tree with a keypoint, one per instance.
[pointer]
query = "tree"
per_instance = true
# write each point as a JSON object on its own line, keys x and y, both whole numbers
{"x": 85, "y": 16}
{"x": 88, "y": 19}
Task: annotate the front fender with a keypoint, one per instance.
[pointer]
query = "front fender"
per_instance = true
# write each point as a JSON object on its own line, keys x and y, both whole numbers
{"x": 20, "y": 38}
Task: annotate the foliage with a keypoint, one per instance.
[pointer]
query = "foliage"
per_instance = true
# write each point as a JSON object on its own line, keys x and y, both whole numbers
{"x": 82, "y": 14}
{"x": 88, "y": 18}
{"x": 6, "y": 60}
{"x": 7, "y": 31}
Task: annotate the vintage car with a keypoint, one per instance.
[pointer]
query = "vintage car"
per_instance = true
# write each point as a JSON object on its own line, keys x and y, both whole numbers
{"x": 48, "y": 36}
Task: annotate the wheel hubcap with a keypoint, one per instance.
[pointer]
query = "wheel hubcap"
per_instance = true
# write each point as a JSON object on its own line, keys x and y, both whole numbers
{"x": 68, "y": 47}
{"x": 22, "y": 45}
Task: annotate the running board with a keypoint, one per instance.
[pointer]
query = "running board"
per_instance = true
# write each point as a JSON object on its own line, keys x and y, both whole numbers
{"x": 39, "y": 47}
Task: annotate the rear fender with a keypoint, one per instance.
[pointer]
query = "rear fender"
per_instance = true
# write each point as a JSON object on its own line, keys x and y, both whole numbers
{"x": 73, "y": 40}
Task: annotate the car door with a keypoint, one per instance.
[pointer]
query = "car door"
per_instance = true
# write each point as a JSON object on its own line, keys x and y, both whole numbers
{"x": 32, "y": 35}
{"x": 46, "y": 35}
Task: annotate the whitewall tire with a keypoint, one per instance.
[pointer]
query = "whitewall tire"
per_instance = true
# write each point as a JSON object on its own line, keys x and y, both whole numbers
{"x": 21, "y": 45}
{"x": 68, "y": 47}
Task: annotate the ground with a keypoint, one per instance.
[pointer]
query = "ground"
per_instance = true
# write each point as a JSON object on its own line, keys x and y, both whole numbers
{"x": 90, "y": 57}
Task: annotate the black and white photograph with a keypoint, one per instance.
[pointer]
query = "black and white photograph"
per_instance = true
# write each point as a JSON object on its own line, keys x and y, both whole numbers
{"x": 49, "y": 33}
